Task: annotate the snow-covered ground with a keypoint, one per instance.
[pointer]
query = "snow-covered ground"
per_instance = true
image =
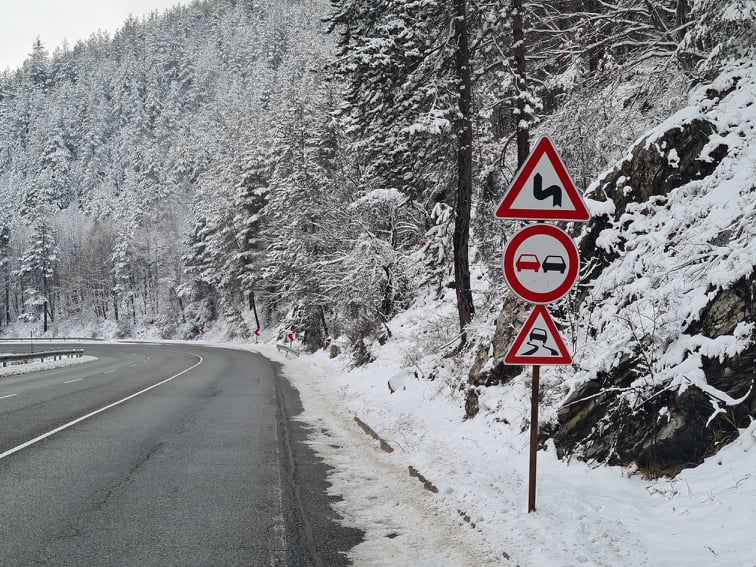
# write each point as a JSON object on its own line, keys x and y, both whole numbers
{"x": 585, "y": 516}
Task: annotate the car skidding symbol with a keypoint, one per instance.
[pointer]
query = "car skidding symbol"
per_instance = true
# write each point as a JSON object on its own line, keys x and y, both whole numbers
{"x": 551, "y": 263}
{"x": 538, "y": 334}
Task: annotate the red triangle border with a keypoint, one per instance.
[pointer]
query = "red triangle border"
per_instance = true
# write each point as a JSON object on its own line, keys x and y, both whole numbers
{"x": 544, "y": 146}
{"x": 564, "y": 357}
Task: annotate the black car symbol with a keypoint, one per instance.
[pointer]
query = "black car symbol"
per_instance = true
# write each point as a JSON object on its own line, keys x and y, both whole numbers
{"x": 554, "y": 264}
{"x": 538, "y": 334}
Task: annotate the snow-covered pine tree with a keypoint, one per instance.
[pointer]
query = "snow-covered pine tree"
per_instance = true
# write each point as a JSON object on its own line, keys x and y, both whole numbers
{"x": 5, "y": 239}
{"x": 249, "y": 200}
{"x": 199, "y": 287}
{"x": 408, "y": 103}
{"x": 39, "y": 261}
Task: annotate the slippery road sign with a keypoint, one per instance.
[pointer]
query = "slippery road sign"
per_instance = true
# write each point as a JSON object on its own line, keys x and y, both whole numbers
{"x": 538, "y": 342}
{"x": 541, "y": 263}
{"x": 542, "y": 189}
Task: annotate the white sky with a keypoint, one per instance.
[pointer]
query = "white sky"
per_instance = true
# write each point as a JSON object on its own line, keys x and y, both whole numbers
{"x": 21, "y": 21}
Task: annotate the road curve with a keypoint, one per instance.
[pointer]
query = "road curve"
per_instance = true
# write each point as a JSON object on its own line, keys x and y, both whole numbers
{"x": 161, "y": 455}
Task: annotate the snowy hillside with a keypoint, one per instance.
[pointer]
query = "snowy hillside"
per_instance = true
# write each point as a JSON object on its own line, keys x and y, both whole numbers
{"x": 666, "y": 298}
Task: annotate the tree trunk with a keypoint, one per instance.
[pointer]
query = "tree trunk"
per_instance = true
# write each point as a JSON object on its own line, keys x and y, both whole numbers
{"x": 465, "y": 307}
{"x": 7, "y": 298}
{"x": 52, "y": 303}
{"x": 518, "y": 36}
{"x": 323, "y": 321}
{"x": 15, "y": 295}
{"x": 253, "y": 307}
{"x": 681, "y": 17}
{"x": 682, "y": 10}
{"x": 181, "y": 308}
{"x": 44, "y": 302}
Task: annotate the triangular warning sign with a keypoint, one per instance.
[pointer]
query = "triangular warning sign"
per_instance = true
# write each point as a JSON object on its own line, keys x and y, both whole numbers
{"x": 538, "y": 342}
{"x": 542, "y": 189}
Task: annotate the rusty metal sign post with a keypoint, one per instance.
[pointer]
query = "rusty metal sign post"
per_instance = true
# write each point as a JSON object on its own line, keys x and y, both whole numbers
{"x": 533, "y": 438}
{"x": 541, "y": 264}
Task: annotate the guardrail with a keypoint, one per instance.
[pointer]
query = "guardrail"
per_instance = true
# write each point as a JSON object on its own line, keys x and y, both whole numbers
{"x": 49, "y": 339}
{"x": 287, "y": 350}
{"x": 41, "y": 355}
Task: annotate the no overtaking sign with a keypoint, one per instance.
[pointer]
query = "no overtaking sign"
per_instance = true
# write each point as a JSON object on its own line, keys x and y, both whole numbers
{"x": 541, "y": 264}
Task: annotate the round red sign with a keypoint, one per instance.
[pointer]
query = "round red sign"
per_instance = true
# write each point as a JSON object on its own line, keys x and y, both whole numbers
{"x": 541, "y": 263}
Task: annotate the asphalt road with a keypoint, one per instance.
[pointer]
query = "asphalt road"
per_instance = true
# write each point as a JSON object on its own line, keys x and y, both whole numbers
{"x": 161, "y": 455}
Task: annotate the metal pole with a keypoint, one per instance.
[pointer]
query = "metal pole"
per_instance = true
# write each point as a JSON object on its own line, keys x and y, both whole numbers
{"x": 533, "y": 438}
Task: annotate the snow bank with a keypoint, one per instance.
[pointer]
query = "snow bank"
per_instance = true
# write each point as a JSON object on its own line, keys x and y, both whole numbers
{"x": 30, "y": 367}
{"x": 585, "y": 516}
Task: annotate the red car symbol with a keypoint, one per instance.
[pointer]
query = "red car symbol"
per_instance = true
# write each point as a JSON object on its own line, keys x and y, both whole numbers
{"x": 528, "y": 262}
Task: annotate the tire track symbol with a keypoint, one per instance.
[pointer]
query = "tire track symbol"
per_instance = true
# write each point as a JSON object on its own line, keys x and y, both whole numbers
{"x": 553, "y": 191}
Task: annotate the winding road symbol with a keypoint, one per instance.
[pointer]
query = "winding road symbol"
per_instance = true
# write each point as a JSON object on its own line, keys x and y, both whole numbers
{"x": 553, "y": 191}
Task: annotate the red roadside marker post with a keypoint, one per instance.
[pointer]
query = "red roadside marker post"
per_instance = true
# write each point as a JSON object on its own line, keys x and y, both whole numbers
{"x": 541, "y": 264}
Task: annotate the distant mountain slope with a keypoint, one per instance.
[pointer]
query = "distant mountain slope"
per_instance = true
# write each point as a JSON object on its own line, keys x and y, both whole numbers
{"x": 117, "y": 152}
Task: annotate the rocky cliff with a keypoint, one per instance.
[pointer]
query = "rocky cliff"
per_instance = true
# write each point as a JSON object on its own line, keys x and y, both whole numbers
{"x": 665, "y": 355}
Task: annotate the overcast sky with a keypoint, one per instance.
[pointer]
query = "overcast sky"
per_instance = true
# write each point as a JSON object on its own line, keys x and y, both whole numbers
{"x": 21, "y": 21}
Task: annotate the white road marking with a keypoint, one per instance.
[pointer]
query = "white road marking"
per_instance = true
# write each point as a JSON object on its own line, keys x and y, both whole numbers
{"x": 74, "y": 380}
{"x": 132, "y": 365}
{"x": 8, "y": 396}
{"x": 108, "y": 371}
{"x": 18, "y": 448}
